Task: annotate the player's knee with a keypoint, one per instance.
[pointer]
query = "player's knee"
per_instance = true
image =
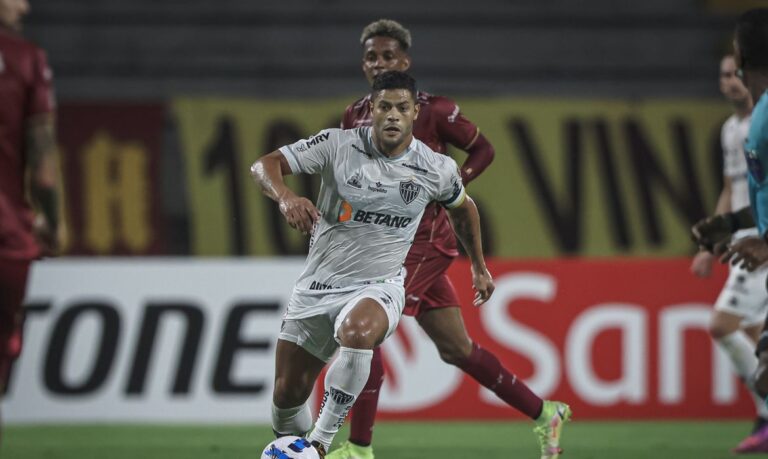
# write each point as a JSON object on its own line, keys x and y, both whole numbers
{"x": 287, "y": 395}
{"x": 358, "y": 337}
{"x": 361, "y": 332}
{"x": 717, "y": 331}
{"x": 454, "y": 353}
{"x": 760, "y": 382}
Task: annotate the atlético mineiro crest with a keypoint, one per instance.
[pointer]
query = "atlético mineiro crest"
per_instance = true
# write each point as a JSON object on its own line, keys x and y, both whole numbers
{"x": 409, "y": 191}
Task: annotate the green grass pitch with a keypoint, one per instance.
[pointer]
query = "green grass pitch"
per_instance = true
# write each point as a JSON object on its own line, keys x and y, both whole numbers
{"x": 401, "y": 440}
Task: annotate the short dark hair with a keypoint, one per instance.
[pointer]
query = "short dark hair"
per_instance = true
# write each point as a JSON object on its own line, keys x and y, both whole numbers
{"x": 752, "y": 38}
{"x": 393, "y": 79}
{"x": 387, "y": 28}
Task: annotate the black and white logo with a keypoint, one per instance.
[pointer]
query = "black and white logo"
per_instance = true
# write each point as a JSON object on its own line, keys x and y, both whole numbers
{"x": 342, "y": 398}
{"x": 354, "y": 181}
{"x": 409, "y": 191}
{"x": 378, "y": 187}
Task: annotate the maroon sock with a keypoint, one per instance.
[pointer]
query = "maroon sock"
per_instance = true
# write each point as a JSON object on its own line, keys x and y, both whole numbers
{"x": 488, "y": 371}
{"x": 364, "y": 411}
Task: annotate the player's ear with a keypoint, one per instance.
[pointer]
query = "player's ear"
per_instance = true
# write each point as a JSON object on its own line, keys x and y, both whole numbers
{"x": 406, "y": 63}
{"x": 416, "y": 107}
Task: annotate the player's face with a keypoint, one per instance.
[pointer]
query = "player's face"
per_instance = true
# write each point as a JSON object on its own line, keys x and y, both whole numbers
{"x": 11, "y": 12}
{"x": 393, "y": 111}
{"x": 381, "y": 54}
{"x": 730, "y": 85}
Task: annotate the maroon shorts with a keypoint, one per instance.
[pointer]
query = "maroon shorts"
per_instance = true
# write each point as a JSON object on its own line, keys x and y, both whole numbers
{"x": 13, "y": 287}
{"x": 427, "y": 285}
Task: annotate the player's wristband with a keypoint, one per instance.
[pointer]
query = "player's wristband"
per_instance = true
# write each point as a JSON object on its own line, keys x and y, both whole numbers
{"x": 732, "y": 221}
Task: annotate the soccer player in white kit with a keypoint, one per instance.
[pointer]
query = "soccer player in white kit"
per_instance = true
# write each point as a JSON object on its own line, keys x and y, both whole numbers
{"x": 376, "y": 182}
{"x": 742, "y": 305}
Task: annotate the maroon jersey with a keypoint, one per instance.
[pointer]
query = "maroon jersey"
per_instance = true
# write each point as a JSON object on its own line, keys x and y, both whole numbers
{"x": 25, "y": 91}
{"x": 439, "y": 123}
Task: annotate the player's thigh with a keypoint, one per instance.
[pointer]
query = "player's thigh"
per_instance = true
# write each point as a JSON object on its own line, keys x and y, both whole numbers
{"x": 426, "y": 284}
{"x": 13, "y": 286}
{"x": 296, "y": 370}
{"x": 445, "y": 327}
{"x": 753, "y": 332}
{"x": 743, "y": 297}
{"x": 724, "y": 323}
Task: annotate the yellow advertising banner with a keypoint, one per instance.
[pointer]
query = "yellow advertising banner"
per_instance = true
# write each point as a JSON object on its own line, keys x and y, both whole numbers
{"x": 571, "y": 177}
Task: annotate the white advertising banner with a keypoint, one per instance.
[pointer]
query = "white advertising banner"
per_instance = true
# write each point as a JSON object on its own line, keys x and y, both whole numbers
{"x": 180, "y": 340}
{"x": 193, "y": 341}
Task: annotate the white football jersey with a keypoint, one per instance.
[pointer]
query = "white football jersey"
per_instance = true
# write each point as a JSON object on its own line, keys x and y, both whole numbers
{"x": 371, "y": 205}
{"x": 732, "y": 136}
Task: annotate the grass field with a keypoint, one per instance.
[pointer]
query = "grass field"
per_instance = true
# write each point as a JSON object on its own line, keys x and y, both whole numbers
{"x": 449, "y": 440}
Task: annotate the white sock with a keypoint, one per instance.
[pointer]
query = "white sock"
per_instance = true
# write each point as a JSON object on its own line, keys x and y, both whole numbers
{"x": 344, "y": 381}
{"x": 741, "y": 352}
{"x": 291, "y": 421}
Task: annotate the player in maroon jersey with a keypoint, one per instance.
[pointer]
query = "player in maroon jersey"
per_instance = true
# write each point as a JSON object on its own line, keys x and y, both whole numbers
{"x": 28, "y": 230}
{"x": 430, "y": 296}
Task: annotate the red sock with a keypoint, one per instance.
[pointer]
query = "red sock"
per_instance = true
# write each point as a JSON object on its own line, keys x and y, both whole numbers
{"x": 364, "y": 411}
{"x": 488, "y": 371}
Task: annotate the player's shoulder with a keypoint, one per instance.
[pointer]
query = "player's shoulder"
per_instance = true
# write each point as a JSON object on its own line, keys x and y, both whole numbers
{"x": 431, "y": 158}
{"x": 760, "y": 111}
{"x": 335, "y": 133}
{"x": 360, "y": 104}
{"x": 345, "y": 136}
{"x": 758, "y": 129}
{"x": 13, "y": 42}
{"x": 731, "y": 122}
{"x": 435, "y": 102}
{"x": 759, "y": 120}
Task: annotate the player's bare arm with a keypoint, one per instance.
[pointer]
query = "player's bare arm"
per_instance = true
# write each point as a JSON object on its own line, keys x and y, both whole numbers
{"x": 298, "y": 211}
{"x": 466, "y": 225}
{"x": 42, "y": 180}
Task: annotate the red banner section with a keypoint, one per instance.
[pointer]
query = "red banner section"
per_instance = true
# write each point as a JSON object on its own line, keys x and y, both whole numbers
{"x": 110, "y": 155}
{"x": 614, "y": 338}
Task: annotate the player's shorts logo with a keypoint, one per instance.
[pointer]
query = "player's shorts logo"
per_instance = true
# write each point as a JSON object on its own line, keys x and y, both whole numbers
{"x": 409, "y": 191}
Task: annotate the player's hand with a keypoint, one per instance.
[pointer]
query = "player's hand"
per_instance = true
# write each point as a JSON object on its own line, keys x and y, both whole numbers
{"x": 712, "y": 234}
{"x": 483, "y": 283}
{"x": 299, "y": 212}
{"x": 701, "y": 266}
{"x": 750, "y": 253}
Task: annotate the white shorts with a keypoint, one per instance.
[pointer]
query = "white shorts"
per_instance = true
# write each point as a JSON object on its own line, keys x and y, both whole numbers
{"x": 744, "y": 295}
{"x": 317, "y": 333}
